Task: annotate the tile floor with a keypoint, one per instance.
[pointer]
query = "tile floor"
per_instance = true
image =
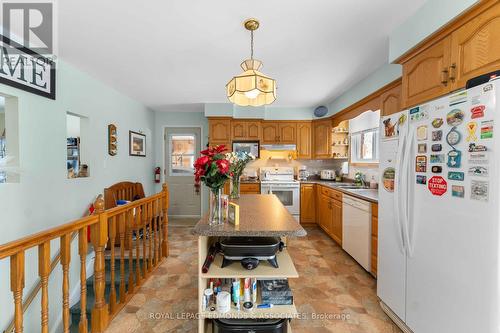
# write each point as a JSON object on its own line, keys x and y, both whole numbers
{"x": 330, "y": 283}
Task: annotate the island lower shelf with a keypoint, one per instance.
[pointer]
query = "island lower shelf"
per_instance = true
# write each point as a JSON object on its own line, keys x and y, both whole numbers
{"x": 264, "y": 270}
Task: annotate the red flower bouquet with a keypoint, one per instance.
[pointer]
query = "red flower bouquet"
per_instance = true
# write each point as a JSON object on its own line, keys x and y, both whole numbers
{"x": 212, "y": 168}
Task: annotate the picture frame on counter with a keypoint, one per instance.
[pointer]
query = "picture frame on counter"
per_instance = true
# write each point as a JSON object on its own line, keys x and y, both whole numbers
{"x": 137, "y": 144}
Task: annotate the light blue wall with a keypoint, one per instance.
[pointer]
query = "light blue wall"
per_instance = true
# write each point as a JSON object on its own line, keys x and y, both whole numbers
{"x": 429, "y": 18}
{"x": 261, "y": 112}
{"x": 44, "y": 197}
{"x": 370, "y": 84}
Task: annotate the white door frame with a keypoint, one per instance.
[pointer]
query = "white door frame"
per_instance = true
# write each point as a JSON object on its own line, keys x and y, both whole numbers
{"x": 165, "y": 166}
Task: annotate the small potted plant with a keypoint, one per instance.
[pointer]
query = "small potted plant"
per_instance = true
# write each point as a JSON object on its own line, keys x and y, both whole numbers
{"x": 213, "y": 169}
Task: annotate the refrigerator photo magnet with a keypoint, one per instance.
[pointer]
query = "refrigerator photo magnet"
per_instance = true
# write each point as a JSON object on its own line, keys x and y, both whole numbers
{"x": 421, "y": 163}
{"x": 479, "y": 190}
{"x": 422, "y": 133}
{"x": 422, "y": 148}
{"x": 388, "y": 179}
{"x": 437, "y": 185}
{"x": 455, "y": 117}
{"x": 437, "y": 122}
{"x": 419, "y": 113}
{"x": 457, "y": 191}
{"x": 437, "y": 135}
{"x": 391, "y": 125}
{"x": 422, "y": 180}
{"x": 487, "y": 129}
{"x": 454, "y": 159}
{"x": 471, "y": 129}
{"x": 453, "y": 137}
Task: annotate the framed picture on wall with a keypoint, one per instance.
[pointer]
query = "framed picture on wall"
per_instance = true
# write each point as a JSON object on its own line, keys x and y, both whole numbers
{"x": 137, "y": 144}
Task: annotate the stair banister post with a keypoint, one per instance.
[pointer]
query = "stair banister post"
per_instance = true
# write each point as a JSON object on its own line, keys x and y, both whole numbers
{"x": 164, "y": 243}
{"x": 99, "y": 237}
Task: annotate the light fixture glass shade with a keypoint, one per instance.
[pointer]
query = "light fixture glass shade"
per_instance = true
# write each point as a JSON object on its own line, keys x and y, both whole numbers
{"x": 251, "y": 88}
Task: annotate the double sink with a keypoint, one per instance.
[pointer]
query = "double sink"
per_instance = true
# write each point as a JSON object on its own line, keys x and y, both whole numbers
{"x": 350, "y": 186}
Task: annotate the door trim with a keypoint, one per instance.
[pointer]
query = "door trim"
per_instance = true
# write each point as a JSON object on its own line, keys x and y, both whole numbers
{"x": 164, "y": 156}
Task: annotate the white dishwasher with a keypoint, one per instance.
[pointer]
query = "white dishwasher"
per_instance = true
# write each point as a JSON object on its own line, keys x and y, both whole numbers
{"x": 357, "y": 229}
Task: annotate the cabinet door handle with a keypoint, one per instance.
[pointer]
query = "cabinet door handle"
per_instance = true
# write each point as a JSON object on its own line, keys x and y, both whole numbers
{"x": 444, "y": 77}
{"x": 453, "y": 72}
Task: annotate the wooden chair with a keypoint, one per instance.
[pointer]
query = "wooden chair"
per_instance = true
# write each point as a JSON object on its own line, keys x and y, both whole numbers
{"x": 122, "y": 191}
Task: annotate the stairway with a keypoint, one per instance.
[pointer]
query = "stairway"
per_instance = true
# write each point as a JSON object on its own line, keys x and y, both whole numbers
{"x": 75, "y": 310}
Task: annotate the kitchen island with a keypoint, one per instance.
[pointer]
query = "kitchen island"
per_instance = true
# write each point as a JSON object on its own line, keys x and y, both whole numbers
{"x": 261, "y": 215}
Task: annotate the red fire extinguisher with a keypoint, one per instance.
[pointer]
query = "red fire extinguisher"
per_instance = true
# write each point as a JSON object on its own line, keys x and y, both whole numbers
{"x": 157, "y": 174}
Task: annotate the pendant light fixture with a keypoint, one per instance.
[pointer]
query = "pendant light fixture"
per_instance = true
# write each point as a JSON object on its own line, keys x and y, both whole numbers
{"x": 251, "y": 88}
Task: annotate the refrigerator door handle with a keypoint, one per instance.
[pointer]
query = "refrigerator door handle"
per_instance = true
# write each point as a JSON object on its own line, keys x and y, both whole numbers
{"x": 406, "y": 193}
{"x": 398, "y": 190}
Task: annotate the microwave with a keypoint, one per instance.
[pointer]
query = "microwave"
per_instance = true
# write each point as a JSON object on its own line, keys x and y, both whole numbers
{"x": 251, "y": 147}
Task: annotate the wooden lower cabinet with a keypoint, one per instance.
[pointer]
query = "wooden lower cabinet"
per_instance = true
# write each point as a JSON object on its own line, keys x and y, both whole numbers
{"x": 337, "y": 221}
{"x": 325, "y": 214}
{"x": 374, "y": 239}
{"x": 249, "y": 188}
{"x": 330, "y": 213}
{"x": 308, "y": 204}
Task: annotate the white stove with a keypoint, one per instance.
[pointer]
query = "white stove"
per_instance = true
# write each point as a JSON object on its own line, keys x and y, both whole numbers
{"x": 280, "y": 182}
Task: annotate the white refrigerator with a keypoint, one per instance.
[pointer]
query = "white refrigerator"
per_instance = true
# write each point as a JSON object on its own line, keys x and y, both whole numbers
{"x": 439, "y": 248}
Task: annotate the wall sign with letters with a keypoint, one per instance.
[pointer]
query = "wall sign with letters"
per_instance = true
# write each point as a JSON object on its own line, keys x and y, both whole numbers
{"x": 27, "y": 70}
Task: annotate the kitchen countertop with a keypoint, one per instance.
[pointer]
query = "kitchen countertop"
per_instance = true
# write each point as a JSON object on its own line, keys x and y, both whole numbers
{"x": 260, "y": 215}
{"x": 364, "y": 194}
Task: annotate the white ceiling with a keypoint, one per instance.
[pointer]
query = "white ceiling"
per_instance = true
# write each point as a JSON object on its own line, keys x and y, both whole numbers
{"x": 184, "y": 51}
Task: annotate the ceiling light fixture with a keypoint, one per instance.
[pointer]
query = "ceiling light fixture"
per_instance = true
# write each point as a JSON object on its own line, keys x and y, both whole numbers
{"x": 251, "y": 88}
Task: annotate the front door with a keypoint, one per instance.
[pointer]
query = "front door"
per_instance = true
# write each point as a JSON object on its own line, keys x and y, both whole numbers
{"x": 182, "y": 146}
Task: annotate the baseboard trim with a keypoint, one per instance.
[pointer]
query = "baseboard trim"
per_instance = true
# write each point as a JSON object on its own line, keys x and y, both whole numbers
{"x": 394, "y": 317}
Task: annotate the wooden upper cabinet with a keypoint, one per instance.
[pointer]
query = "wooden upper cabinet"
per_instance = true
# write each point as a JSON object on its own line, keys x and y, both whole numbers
{"x": 245, "y": 130}
{"x": 287, "y": 133}
{"x": 390, "y": 101}
{"x": 239, "y": 130}
{"x": 322, "y": 137}
{"x": 425, "y": 76}
{"x": 253, "y": 130}
{"x": 270, "y": 132}
{"x": 475, "y": 47}
{"x": 219, "y": 130}
{"x": 304, "y": 140}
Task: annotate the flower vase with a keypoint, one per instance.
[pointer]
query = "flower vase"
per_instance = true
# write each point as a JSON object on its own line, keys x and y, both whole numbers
{"x": 215, "y": 209}
{"x": 235, "y": 187}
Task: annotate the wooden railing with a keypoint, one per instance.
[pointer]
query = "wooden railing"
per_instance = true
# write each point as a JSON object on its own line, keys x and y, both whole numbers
{"x": 142, "y": 230}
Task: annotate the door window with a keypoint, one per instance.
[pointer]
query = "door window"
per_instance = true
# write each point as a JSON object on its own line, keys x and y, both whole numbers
{"x": 182, "y": 154}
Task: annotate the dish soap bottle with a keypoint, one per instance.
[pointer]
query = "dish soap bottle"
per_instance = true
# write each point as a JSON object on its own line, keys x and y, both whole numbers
{"x": 373, "y": 183}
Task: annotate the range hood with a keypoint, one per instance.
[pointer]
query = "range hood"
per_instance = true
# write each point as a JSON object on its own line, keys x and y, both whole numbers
{"x": 277, "y": 147}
